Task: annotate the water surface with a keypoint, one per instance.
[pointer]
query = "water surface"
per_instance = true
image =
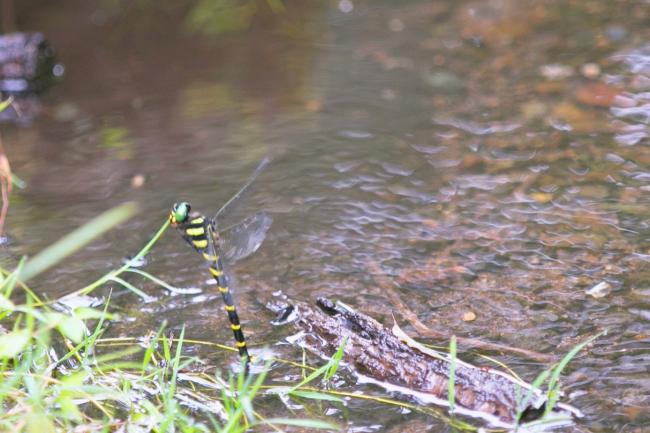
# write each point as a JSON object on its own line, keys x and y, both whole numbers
{"x": 485, "y": 157}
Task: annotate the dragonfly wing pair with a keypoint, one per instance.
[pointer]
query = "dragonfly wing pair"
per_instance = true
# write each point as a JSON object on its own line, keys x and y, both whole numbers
{"x": 243, "y": 239}
{"x": 234, "y": 243}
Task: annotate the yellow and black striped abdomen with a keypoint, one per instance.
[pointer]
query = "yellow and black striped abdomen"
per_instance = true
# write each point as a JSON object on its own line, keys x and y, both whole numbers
{"x": 216, "y": 269}
{"x": 200, "y": 235}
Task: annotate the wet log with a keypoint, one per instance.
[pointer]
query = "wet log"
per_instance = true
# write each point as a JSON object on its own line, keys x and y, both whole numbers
{"x": 396, "y": 362}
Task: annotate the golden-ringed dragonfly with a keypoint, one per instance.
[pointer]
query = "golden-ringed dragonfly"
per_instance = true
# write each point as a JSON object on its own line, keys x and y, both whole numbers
{"x": 242, "y": 240}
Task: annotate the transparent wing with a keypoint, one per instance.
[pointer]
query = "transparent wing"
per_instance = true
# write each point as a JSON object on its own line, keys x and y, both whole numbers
{"x": 260, "y": 167}
{"x": 243, "y": 239}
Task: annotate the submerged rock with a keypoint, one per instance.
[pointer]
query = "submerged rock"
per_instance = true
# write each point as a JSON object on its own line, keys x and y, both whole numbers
{"x": 27, "y": 67}
{"x": 27, "y": 63}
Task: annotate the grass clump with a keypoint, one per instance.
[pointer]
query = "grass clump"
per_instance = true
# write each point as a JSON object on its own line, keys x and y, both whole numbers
{"x": 553, "y": 391}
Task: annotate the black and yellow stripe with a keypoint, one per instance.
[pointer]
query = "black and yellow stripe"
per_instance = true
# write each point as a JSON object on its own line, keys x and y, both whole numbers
{"x": 198, "y": 232}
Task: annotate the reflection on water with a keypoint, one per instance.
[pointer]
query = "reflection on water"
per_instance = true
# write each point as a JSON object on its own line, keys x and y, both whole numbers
{"x": 484, "y": 157}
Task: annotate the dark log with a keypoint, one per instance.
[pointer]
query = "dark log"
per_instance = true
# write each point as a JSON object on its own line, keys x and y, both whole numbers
{"x": 376, "y": 353}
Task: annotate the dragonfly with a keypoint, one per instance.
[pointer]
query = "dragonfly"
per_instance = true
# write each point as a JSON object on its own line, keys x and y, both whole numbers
{"x": 229, "y": 245}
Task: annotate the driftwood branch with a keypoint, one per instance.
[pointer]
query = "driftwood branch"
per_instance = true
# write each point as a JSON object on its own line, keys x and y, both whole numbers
{"x": 376, "y": 353}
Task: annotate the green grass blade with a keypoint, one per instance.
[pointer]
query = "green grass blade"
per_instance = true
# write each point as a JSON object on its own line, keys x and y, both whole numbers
{"x": 9, "y": 283}
{"x": 336, "y": 360}
{"x": 154, "y": 279}
{"x": 18, "y": 182}
{"x": 536, "y": 385}
{"x": 106, "y": 358}
{"x": 327, "y": 371}
{"x": 102, "y": 280}
{"x": 153, "y": 343}
{"x": 305, "y": 423}
{"x": 13, "y": 343}
{"x": 7, "y": 102}
{"x": 313, "y": 395}
{"x": 132, "y": 288}
{"x": 314, "y": 374}
{"x": 553, "y": 382}
{"x": 176, "y": 362}
{"x": 89, "y": 342}
{"x": 76, "y": 240}
{"x": 451, "y": 384}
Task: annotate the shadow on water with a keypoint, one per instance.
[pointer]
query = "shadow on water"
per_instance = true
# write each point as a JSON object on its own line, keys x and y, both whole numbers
{"x": 486, "y": 161}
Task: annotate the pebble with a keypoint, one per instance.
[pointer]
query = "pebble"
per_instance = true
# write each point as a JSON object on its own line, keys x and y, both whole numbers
{"x": 346, "y": 6}
{"x": 556, "y": 71}
{"x": 138, "y": 181}
{"x": 388, "y": 94}
{"x": 534, "y": 110}
{"x": 616, "y": 159}
{"x": 541, "y": 197}
{"x": 624, "y": 101}
{"x": 313, "y": 105}
{"x": 468, "y": 316}
{"x": 600, "y": 290}
{"x": 590, "y": 70}
{"x": 396, "y": 25}
{"x": 66, "y": 112}
{"x": 597, "y": 94}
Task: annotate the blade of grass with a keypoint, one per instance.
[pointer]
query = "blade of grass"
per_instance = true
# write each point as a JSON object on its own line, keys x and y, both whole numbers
{"x": 76, "y": 240}
{"x": 10, "y": 281}
{"x": 89, "y": 342}
{"x": 451, "y": 384}
{"x": 102, "y": 280}
{"x": 25, "y": 287}
{"x": 305, "y": 423}
{"x": 18, "y": 182}
{"x": 176, "y": 362}
{"x": 155, "y": 280}
{"x": 313, "y": 375}
{"x": 336, "y": 360}
{"x": 504, "y": 366}
{"x": 536, "y": 385}
{"x": 7, "y": 102}
{"x": 553, "y": 382}
{"x": 314, "y": 395}
{"x": 331, "y": 364}
{"x": 132, "y": 288}
{"x": 153, "y": 343}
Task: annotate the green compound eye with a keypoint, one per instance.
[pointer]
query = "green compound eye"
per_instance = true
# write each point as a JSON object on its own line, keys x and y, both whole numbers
{"x": 180, "y": 211}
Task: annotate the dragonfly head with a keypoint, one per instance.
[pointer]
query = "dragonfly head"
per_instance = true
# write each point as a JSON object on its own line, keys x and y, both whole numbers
{"x": 179, "y": 213}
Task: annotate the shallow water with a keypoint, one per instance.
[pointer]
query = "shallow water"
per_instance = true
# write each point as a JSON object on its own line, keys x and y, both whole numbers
{"x": 485, "y": 157}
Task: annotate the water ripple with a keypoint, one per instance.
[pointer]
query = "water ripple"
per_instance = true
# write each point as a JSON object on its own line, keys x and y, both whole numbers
{"x": 477, "y": 128}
